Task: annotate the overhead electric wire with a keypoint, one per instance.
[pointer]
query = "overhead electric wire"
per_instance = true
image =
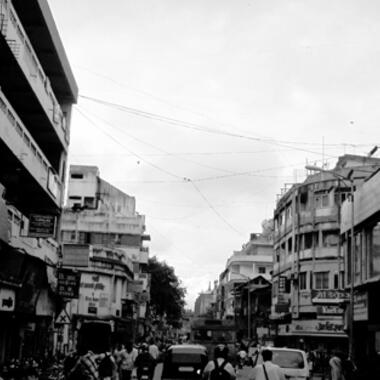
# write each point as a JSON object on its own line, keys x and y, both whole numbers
{"x": 200, "y": 128}
{"x": 129, "y": 150}
{"x": 216, "y": 212}
{"x": 160, "y": 149}
{"x": 164, "y": 101}
{"x": 251, "y": 173}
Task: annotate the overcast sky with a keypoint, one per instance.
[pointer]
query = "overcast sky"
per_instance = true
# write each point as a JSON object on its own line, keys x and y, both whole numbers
{"x": 256, "y": 88}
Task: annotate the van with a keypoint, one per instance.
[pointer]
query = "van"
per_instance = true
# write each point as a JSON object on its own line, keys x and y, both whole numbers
{"x": 293, "y": 362}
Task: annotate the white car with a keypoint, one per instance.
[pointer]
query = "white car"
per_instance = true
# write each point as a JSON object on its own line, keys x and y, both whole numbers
{"x": 293, "y": 362}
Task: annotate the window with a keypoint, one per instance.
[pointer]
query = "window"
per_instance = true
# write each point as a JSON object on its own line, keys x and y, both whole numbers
{"x": 322, "y": 200}
{"x": 357, "y": 256}
{"x": 336, "y": 280}
{"x": 290, "y": 246}
{"x": 302, "y": 281}
{"x": 321, "y": 280}
{"x": 374, "y": 259}
{"x": 89, "y": 202}
{"x": 330, "y": 238}
{"x": 308, "y": 240}
{"x": 76, "y": 175}
{"x": 261, "y": 270}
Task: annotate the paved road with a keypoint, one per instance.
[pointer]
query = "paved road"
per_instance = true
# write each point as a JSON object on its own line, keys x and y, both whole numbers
{"x": 242, "y": 374}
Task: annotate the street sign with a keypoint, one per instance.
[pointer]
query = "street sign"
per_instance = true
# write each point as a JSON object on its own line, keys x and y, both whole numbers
{"x": 68, "y": 283}
{"x": 63, "y": 318}
{"x": 41, "y": 226}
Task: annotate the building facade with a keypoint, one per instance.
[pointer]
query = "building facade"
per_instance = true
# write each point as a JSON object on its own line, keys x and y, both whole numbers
{"x": 37, "y": 90}
{"x": 103, "y": 236}
{"x": 205, "y": 303}
{"x": 255, "y": 258}
{"x": 308, "y": 274}
{"x": 364, "y": 264}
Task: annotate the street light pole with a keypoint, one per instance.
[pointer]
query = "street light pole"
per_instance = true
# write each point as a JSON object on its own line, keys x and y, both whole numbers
{"x": 249, "y": 312}
{"x": 352, "y": 275}
{"x": 352, "y": 255}
{"x": 248, "y": 303}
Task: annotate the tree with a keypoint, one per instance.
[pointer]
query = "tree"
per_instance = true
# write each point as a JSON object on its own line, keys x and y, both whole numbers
{"x": 167, "y": 296}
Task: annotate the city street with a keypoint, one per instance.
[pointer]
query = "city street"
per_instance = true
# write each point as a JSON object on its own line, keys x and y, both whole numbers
{"x": 242, "y": 374}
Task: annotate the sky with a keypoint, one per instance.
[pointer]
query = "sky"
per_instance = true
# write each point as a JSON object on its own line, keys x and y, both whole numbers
{"x": 205, "y": 109}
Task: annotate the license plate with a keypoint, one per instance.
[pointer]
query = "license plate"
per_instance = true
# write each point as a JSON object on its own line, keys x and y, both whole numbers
{"x": 185, "y": 369}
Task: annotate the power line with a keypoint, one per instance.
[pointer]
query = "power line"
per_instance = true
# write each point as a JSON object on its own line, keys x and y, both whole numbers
{"x": 160, "y": 149}
{"x": 164, "y": 101}
{"x": 216, "y": 212}
{"x": 129, "y": 150}
{"x": 202, "y": 128}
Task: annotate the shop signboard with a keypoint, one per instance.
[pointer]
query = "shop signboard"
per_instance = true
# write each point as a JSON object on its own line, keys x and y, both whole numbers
{"x": 329, "y": 296}
{"x": 136, "y": 286}
{"x": 315, "y": 326}
{"x": 323, "y": 310}
{"x": 361, "y": 306}
{"x": 7, "y": 299}
{"x": 95, "y": 294}
{"x": 68, "y": 283}
{"x": 76, "y": 255}
{"x": 41, "y": 226}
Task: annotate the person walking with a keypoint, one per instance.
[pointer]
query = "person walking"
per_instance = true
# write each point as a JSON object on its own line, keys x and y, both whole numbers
{"x": 336, "y": 370}
{"x": 153, "y": 349}
{"x": 219, "y": 368}
{"x": 145, "y": 364}
{"x": 267, "y": 370}
{"x": 126, "y": 361}
{"x": 86, "y": 367}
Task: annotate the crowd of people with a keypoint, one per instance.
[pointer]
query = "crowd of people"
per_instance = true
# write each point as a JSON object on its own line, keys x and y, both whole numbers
{"x": 122, "y": 363}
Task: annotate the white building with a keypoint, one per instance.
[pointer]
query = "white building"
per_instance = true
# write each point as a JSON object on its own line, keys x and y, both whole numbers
{"x": 100, "y": 224}
{"x": 37, "y": 90}
{"x": 255, "y": 258}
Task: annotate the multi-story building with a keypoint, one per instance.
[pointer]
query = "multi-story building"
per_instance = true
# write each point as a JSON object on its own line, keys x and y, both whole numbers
{"x": 204, "y": 304}
{"x": 366, "y": 271}
{"x": 255, "y": 258}
{"x": 37, "y": 90}
{"x": 308, "y": 272}
{"x": 103, "y": 219}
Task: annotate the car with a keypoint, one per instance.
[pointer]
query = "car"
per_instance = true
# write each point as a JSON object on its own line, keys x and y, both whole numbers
{"x": 184, "y": 361}
{"x": 292, "y": 361}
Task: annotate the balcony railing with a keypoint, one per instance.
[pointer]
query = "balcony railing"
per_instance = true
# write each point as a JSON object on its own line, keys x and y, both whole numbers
{"x": 21, "y": 143}
{"x": 21, "y": 47}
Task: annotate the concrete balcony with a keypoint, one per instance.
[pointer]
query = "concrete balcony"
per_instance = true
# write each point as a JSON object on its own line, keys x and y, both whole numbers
{"x": 27, "y": 87}
{"x": 95, "y": 221}
{"x": 26, "y": 173}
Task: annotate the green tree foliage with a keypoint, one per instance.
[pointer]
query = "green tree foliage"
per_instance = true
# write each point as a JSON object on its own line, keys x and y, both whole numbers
{"x": 167, "y": 296}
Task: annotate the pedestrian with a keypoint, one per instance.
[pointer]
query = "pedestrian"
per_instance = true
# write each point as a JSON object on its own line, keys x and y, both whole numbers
{"x": 145, "y": 364}
{"x": 153, "y": 349}
{"x": 349, "y": 369}
{"x": 107, "y": 367}
{"x": 85, "y": 368}
{"x": 336, "y": 370}
{"x": 219, "y": 368}
{"x": 267, "y": 370}
{"x": 126, "y": 361}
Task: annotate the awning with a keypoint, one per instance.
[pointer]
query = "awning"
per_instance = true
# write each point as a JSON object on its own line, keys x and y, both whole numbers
{"x": 25, "y": 272}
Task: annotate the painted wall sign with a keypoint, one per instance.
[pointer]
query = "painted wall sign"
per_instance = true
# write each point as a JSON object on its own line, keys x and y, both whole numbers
{"x": 329, "y": 296}
{"x": 313, "y": 327}
{"x": 361, "y": 306}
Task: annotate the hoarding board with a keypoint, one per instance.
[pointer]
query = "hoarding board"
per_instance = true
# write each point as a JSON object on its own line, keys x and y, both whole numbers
{"x": 41, "y": 226}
